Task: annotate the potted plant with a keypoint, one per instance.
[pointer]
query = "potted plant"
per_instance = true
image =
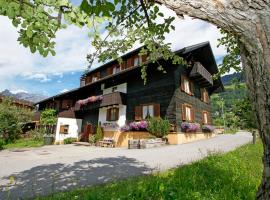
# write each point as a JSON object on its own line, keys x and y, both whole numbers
{"x": 207, "y": 128}
{"x": 188, "y": 127}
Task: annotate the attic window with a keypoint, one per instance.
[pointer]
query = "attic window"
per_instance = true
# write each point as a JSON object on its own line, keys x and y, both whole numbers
{"x": 186, "y": 85}
{"x": 204, "y": 95}
{"x": 94, "y": 78}
{"x": 137, "y": 60}
{"x": 116, "y": 69}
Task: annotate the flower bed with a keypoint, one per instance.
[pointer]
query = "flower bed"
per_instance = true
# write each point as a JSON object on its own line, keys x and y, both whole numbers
{"x": 190, "y": 127}
{"x": 207, "y": 128}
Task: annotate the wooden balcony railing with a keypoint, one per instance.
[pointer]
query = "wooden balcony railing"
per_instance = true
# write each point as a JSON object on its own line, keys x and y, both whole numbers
{"x": 67, "y": 113}
{"x": 115, "y": 98}
{"x": 201, "y": 75}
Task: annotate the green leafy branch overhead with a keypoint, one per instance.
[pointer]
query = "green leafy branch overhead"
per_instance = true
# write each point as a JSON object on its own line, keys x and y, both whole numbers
{"x": 114, "y": 26}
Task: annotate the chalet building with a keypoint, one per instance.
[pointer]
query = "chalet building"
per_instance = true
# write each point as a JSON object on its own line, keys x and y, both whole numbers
{"x": 19, "y": 102}
{"x": 114, "y": 94}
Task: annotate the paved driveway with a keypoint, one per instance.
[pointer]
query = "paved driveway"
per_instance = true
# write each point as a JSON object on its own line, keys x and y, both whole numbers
{"x": 48, "y": 169}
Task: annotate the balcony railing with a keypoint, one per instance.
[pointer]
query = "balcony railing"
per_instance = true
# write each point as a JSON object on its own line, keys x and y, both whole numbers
{"x": 115, "y": 98}
{"x": 201, "y": 75}
{"x": 67, "y": 113}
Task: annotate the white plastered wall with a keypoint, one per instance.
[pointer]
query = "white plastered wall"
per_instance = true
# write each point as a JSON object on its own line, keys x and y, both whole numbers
{"x": 122, "y": 117}
{"x": 75, "y": 126}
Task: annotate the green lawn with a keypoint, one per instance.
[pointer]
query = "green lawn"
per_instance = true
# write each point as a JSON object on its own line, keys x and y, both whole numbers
{"x": 24, "y": 142}
{"x": 235, "y": 175}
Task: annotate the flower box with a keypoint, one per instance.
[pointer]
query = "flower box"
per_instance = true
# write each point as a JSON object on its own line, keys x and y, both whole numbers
{"x": 207, "y": 128}
{"x": 188, "y": 127}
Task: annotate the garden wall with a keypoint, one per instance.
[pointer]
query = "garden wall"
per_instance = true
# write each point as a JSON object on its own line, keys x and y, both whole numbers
{"x": 121, "y": 138}
{"x": 181, "y": 138}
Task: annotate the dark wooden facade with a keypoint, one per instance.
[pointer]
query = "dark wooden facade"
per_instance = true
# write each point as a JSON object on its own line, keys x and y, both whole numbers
{"x": 163, "y": 90}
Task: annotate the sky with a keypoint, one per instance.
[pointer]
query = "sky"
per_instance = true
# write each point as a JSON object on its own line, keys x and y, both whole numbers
{"x": 20, "y": 70}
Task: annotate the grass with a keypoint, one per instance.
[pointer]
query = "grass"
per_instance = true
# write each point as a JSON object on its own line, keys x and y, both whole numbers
{"x": 24, "y": 142}
{"x": 232, "y": 176}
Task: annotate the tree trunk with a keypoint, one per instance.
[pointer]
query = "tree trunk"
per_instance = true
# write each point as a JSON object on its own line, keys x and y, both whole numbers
{"x": 249, "y": 21}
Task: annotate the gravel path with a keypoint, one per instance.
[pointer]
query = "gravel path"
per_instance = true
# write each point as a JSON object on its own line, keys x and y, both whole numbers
{"x": 40, "y": 171}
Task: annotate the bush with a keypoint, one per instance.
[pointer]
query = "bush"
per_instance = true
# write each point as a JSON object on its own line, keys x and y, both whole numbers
{"x": 48, "y": 117}
{"x": 37, "y": 135}
{"x": 11, "y": 120}
{"x": 70, "y": 140}
{"x": 2, "y": 143}
{"x": 99, "y": 133}
{"x": 158, "y": 127}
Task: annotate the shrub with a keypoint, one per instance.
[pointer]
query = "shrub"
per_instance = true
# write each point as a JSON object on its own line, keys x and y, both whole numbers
{"x": 37, "y": 134}
{"x": 208, "y": 128}
{"x": 190, "y": 127}
{"x": 48, "y": 117}
{"x": 99, "y": 133}
{"x": 11, "y": 120}
{"x": 70, "y": 140}
{"x": 2, "y": 143}
{"x": 158, "y": 127}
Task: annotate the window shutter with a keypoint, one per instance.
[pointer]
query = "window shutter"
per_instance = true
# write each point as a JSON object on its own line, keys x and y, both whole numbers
{"x": 208, "y": 118}
{"x": 62, "y": 128}
{"x": 202, "y": 91}
{"x": 192, "y": 114}
{"x": 98, "y": 75}
{"x": 191, "y": 85}
{"x": 156, "y": 110}
{"x": 184, "y": 112}
{"x": 108, "y": 115}
{"x": 129, "y": 62}
{"x": 207, "y": 96}
{"x": 117, "y": 113}
{"x": 123, "y": 64}
{"x": 182, "y": 83}
{"x": 138, "y": 113}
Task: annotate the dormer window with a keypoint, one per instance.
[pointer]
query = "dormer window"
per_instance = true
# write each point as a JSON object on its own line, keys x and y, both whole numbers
{"x": 116, "y": 69}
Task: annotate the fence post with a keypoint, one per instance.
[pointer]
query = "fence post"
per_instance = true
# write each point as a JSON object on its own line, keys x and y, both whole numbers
{"x": 254, "y": 137}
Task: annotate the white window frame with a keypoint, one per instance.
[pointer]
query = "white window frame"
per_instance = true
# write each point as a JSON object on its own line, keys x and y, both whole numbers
{"x": 147, "y": 108}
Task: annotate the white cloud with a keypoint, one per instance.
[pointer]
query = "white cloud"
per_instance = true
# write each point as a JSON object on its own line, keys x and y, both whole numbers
{"x": 64, "y": 90}
{"x": 39, "y": 77}
{"x": 18, "y": 91}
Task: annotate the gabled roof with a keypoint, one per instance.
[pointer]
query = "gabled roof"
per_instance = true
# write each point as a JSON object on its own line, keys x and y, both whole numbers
{"x": 184, "y": 51}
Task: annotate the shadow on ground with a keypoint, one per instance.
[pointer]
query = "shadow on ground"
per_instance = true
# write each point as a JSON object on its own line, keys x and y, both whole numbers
{"x": 47, "y": 179}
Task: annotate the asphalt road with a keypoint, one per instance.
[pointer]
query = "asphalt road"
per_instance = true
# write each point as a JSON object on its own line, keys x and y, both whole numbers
{"x": 31, "y": 172}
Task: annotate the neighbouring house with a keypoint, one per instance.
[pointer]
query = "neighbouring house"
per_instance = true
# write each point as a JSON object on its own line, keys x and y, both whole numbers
{"x": 114, "y": 95}
{"x": 19, "y": 102}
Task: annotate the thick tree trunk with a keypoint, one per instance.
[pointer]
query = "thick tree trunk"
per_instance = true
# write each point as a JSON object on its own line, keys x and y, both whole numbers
{"x": 249, "y": 21}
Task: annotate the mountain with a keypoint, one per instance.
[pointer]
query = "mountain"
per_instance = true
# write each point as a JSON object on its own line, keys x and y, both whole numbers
{"x": 226, "y": 80}
{"x": 24, "y": 95}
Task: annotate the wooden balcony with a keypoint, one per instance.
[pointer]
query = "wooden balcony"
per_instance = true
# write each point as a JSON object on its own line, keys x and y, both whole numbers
{"x": 115, "y": 98}
{"x": 201, "y": 75}
{"x": 67, "y": 113}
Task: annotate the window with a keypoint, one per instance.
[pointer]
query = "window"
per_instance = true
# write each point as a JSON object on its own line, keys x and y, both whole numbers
{"x": 114, "y": 89}
{"x": 188, "y": 113}
{"x": 64, "y": 129}
{"x": 204, "y": 95}
{"x": 112, "y": 114}
{"x": 94, "y": 78}
{"x": 205, "y": 117}
{"x": 116, "y": 69}
{"x": 137, "y": 60}
{"x": 147, "y": 110}
{"x": 186, "y": 85}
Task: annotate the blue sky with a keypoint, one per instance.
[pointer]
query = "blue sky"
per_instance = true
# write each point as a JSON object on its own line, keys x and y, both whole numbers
{"x": 20, "y": 70}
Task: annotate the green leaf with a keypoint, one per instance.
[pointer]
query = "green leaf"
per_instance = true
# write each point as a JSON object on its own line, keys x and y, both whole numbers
{"x": 29, "y": 33}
